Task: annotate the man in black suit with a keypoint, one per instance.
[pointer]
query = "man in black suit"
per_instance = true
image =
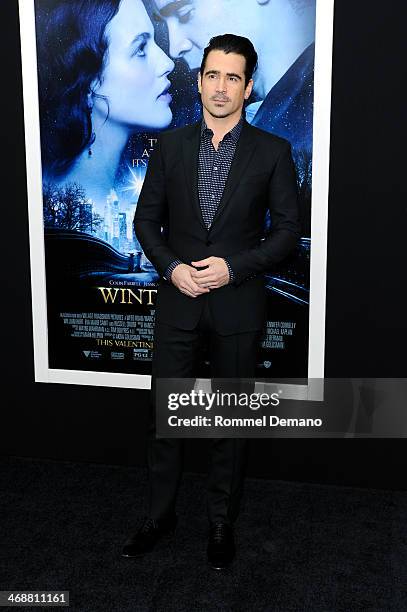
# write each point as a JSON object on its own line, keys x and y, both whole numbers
{"x": 210, "y": 185}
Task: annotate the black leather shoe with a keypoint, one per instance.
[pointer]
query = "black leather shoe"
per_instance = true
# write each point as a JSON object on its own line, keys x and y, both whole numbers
{"x": 221, "y": 546}
{"x": 150, "y": 534}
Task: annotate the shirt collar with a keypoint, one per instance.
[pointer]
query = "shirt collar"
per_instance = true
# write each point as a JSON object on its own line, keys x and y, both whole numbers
{"x": 234, "y": 133}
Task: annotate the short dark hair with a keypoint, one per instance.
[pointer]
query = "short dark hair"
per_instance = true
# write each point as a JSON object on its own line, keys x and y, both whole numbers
{"x": 231, "y": 43}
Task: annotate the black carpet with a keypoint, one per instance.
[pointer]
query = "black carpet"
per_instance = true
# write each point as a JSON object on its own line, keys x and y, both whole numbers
{"x": 301, "y": 547}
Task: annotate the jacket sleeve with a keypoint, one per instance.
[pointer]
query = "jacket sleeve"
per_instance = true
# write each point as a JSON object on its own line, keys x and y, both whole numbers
{"x": 285, "y": 224}
{"x": 151, "y": 214}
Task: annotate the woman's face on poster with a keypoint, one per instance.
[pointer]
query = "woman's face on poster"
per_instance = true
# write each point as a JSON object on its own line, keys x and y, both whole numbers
{"x": 134, "y": 78}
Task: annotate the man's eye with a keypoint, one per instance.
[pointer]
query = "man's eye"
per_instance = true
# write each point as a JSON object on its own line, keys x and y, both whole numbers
{"x": 186, "y": 15}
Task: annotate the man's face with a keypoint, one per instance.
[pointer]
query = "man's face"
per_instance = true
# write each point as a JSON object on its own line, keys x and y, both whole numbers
{"x": 222, "y": 84}
{"x": 192, "y": 23}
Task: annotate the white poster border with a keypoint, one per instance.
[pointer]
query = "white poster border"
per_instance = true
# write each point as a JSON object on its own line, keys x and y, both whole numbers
{"x": 319, "y": 212}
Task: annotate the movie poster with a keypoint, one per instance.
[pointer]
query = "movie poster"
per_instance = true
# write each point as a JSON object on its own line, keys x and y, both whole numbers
{"x": 112, "y": 74}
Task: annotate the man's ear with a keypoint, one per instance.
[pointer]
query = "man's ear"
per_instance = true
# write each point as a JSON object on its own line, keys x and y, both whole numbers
{"x": 248, "y": 89}
{"x": 199, "y": 82}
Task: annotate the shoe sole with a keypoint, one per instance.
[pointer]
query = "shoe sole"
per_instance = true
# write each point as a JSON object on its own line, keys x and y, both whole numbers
{"x": 219, "y": 567}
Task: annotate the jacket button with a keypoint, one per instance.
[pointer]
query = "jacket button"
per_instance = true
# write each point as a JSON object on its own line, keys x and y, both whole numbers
{"x": 208, "y": 242}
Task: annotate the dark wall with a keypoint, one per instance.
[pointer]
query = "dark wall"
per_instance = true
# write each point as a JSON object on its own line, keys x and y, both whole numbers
{"x": 366, "y": 326}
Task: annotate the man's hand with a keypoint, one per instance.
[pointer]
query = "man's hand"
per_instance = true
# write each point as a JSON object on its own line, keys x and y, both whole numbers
{"x": 214, "y": 276}
{"x": 182, "y": 279}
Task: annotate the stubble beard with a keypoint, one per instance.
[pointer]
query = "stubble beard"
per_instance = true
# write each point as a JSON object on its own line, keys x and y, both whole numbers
{"x": 218, "y": 113}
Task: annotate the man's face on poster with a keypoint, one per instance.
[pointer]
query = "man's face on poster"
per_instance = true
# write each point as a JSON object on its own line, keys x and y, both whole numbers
{"x": 191, "y": 24}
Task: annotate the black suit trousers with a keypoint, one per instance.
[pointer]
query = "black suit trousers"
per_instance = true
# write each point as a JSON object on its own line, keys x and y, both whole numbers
{"x": 176, "y": 353}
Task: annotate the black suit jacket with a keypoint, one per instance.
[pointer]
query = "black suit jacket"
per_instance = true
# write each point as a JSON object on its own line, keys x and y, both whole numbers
{"x": 169, "y": 225}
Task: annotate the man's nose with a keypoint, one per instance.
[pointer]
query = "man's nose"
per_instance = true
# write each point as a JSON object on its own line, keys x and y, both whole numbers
{"x": 179, "y": 43}
{"x": 221, "y": 85}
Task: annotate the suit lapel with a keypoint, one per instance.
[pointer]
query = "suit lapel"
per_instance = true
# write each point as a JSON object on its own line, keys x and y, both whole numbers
{"x": 244, "y": 150}
{"x": 190, "y": 154}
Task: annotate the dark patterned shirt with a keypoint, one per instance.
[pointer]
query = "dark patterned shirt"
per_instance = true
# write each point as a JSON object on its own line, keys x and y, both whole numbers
{"x": 213, "y": 170}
